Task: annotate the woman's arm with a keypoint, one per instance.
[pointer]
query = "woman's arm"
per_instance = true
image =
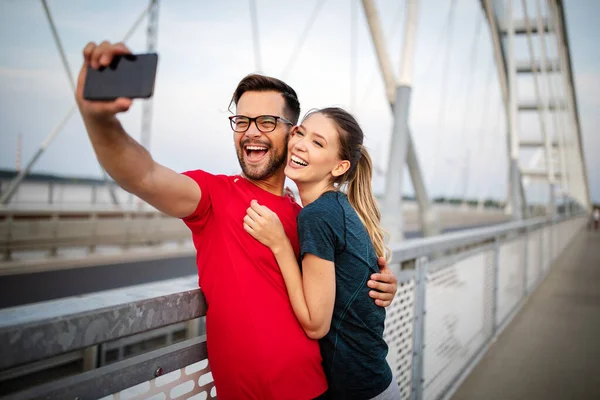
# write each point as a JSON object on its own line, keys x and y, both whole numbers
{"x": 312, "y": 292}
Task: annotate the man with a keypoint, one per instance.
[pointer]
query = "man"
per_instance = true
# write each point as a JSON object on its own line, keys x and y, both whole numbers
{"x": 257, "y": 348}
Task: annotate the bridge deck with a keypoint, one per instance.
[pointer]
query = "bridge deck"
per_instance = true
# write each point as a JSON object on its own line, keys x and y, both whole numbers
{"x": 551, "y": 350}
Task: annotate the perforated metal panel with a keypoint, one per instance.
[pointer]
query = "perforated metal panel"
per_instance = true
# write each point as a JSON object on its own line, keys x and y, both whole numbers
{"x": 510, "y": 277}
{"x": 458, "y": 319}
{"x": 555, "y": 241}
{"x": 194, "y": 382}
{"x": 561, "y": 230}
{"x": 546, "y": 248}
{"x": 399, "y": 336}
{"x": 534, "y": 262}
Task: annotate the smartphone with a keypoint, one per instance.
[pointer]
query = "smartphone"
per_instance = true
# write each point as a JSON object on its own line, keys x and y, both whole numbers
{"x": 131, "y": 76}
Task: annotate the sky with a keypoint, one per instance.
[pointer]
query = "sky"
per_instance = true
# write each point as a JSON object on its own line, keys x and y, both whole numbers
{"x": 205, "y": 48}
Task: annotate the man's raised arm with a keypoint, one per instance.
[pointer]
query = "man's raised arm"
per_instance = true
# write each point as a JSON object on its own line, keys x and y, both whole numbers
{"x": 125, "y": 160}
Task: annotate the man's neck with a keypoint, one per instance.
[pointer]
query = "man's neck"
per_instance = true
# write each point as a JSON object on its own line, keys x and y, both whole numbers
{"x": 272, "y": 184}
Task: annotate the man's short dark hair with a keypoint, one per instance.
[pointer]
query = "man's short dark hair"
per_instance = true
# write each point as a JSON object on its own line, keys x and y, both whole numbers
{"x": 262, "y": 83}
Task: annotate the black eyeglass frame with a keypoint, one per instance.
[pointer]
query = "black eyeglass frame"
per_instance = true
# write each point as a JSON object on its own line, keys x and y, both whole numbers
{"x": 255, "y": 120}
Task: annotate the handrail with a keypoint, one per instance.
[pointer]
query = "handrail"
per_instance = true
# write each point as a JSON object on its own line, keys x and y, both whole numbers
{"x": 26, "y": 230}
{"x": 37, "y": 331}
{"x": 23, "y": 230}
{"x": 413, "y": 249}
{"x": 141, "y": 368}
{"x": 32, "y": 332}
{"x": 69, "y": 213}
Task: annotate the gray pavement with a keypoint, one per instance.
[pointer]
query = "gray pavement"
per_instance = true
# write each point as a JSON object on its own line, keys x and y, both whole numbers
{"x": 551, "y": 350}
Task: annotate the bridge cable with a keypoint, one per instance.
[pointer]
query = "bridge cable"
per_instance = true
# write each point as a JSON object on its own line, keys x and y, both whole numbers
{"x": 14, "y": 184}
{"x": 443, "y": 35}
{"x": 255, "y": 35}
{"x": 296, "y": 52}
{"x": 484, "y": 138}
{"x": 58, "y": 42}
{"x": 444, "y": 94}
{"x": 353, "y": 53}
{"x": 388, "y": 37}
{"x": 499, "y": 167}
{"x": 468, "y": 106}
{"x": 136, "y": 24}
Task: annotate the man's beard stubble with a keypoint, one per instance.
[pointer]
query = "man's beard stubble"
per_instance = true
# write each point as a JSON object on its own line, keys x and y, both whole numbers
{"x": 275, "y": 162}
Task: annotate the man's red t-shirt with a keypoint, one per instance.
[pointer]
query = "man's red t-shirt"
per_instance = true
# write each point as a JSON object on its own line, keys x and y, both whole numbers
{"x": 256, "y": 347}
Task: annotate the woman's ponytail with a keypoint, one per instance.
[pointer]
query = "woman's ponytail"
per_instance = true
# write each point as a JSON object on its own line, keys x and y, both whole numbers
{"x": 360, "y": 196}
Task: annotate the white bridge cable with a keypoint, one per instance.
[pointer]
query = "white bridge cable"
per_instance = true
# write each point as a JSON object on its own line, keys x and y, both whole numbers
{"x": 353, "y": 52}
{"x": 444, "y": 94}
{"x": 298, "y": 48}
{"x": 58, "y": 42}
{"x": 255, "y": 35}
{"x": 490, "y": 157}
{"x": 137, "y": 23}
{"x": 389, "y": 35}
{"x": 484, "y": 137}
{"x": 443, "y": 35}
{"x": 14, "y": 184}
{"x": 469, "y": 105}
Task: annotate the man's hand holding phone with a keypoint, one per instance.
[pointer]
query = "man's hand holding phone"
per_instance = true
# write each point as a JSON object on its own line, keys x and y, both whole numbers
{"x": 97, "y": 56}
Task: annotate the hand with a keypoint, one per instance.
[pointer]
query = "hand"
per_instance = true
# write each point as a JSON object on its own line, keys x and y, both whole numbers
{"x": 385, "y": 284}
{"x": 96, "y": 57}
{"x": 264, "y": 225}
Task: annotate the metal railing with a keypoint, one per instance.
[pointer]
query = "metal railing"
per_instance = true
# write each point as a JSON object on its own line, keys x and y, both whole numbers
{"x": 52, "y": 230}
{"x": 456, "y": 292}
{"x": 22, "y": 230}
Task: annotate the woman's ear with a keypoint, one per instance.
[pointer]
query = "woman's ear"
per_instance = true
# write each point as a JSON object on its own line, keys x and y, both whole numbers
{"x": 341, "y": 168}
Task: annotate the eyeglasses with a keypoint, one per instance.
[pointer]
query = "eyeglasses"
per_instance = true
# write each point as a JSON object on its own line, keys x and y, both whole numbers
{"x": 264, "y": 123}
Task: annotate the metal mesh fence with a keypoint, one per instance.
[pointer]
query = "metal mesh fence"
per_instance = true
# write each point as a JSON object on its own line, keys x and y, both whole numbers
{"x": 534, "y": 261}
{"x": 399, "y": 335}
{"x": 458, "y": 319}
{"x": 510, "y": 277}
{"x": 194, "y": 382}
{"x": 444, "y": 314}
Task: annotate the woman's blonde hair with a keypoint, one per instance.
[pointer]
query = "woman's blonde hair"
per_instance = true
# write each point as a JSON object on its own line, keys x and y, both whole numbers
{"x": 358, "y": 177}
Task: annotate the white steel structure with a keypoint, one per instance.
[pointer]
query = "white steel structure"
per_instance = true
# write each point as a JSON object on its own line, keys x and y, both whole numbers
{"x": 558, "y": 158}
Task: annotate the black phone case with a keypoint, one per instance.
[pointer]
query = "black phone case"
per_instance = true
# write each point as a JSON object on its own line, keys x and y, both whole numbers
{"x": 131, "y": 76}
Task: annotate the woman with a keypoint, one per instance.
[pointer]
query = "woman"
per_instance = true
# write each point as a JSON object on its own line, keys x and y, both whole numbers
{"x": 340, "y": 241}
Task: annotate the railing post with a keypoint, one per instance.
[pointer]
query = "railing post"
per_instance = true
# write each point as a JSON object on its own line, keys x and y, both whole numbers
{"x": 55, "y": 227}
{"x": 496, "y": 278}
{"x": 552, "y": 243}
{"x": 157, "y": 229}
{"x": 419, "y": 328}
{"x": 94, "y": 221}
{"x": 90, "y": 358}
{"x": 129, "y": 219}
{"x": 94, "y": 199}
{"x": 9, "y": 225}
{"x": 526, "y": 265}
{"x": 542, "y": 258}
{"x": 192, "y": 328}
{"x": 50, "y": 192}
